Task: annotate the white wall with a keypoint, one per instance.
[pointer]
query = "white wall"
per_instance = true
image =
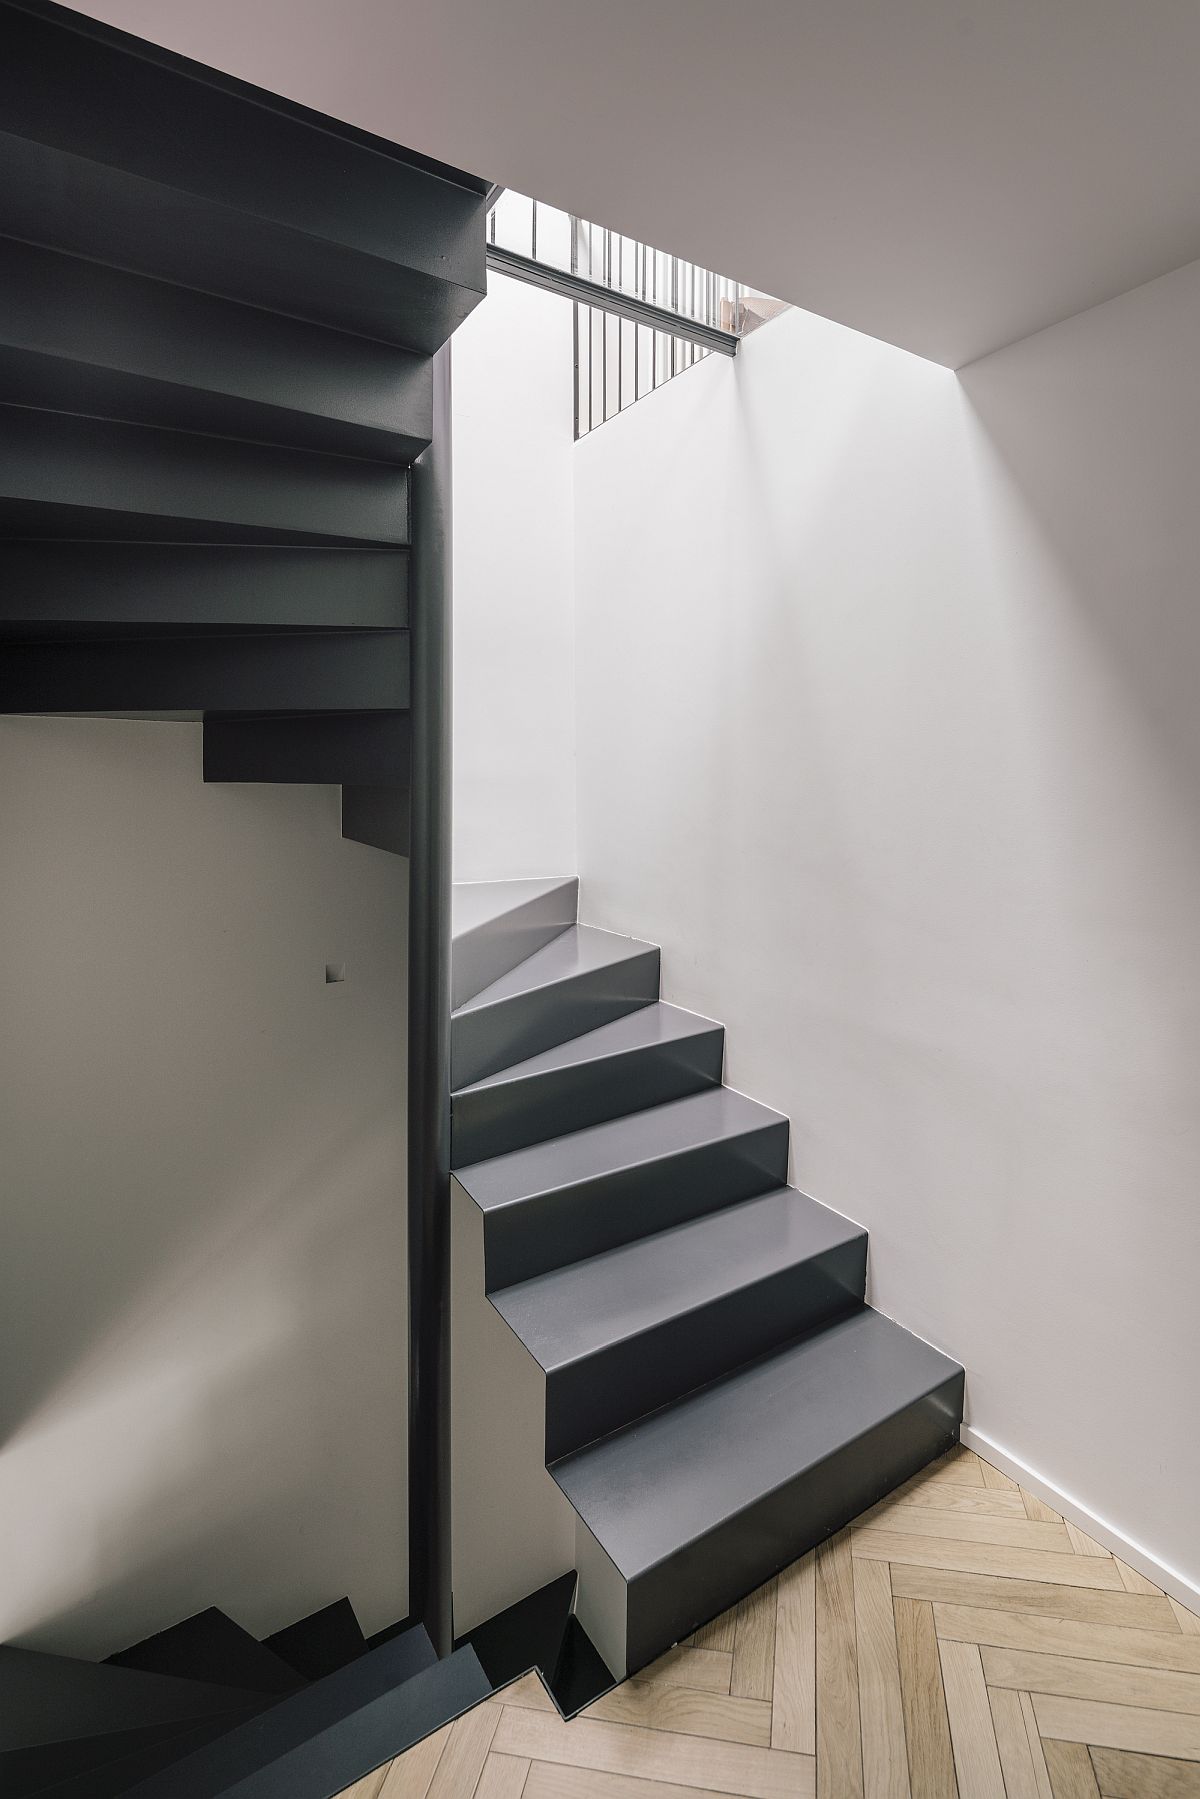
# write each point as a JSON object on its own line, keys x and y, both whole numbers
{"x": 514, "y": 649}
{"x": 888, "y": 734}
{"x": 202, "y": 1283}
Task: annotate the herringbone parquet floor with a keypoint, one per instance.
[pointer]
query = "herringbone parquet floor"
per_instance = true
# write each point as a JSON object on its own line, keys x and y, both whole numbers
{"x": 959, "y": 1641}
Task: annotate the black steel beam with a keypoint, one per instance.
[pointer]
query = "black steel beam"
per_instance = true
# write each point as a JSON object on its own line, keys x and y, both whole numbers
{"x": 609, "y": 299}
{"x": 429, "y": 1035}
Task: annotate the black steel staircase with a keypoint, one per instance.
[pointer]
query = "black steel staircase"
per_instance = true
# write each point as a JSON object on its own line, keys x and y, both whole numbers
{"x": 224, "y": 497}
{"x": 718, "y": 1396}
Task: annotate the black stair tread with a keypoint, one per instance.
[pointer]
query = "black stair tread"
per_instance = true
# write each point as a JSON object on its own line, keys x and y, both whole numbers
{"x": 576, "y": 1311}
{"x": 327, "y": 1639}
{"x": 669, "y": 1479}
{"x": 476, "y": 904}
{"x": 118, "y": 1768}
{"x": 210, "y": 1646}
{"x": 30, "y": 1770}
{"x": 587, "y": 1155}
{"x": 650, "y": 1025}
{"x": 332, "y": 1733}
{"x": 497, "y": 924}
{"x": 50, "y": 1698}
{"x": 578, "y": 950}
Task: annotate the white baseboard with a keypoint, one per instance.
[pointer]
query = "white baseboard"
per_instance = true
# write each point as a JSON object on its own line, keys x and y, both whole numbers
{"x": 1164, "y": 1576}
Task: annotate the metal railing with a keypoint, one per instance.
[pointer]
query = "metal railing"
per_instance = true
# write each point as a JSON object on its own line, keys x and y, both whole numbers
{"x": 642, "y": 316}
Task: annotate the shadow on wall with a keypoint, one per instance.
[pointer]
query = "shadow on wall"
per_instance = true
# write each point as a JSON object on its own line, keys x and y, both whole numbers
{"x": 202, "y": 1295}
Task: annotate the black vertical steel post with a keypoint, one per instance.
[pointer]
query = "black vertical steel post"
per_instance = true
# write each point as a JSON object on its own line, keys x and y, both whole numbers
{"x": 429, "y": 1034}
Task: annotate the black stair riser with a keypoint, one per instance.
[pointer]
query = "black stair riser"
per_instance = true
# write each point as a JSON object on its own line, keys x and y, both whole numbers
{"x": 334, "y": 672}
{"x": 324, "y": 1641}
{"x": 24, "y": 1771}
{"x": 82, "y": 338}
{"x": 602, "y": 1392}
{"x": 211, "y": 1646}
{"x": 157, "y": 165}
{"x": 313, "y": 1747}
{"x": 112, "y": 1778}
{"x": 380, "y": 817}
{"x": 120, "y": 587}
{"x": 549, "y": 1230}
{"x": 488, "y": 1038}
{"x": 57, "y": 470}
{"x": 481, "y": 955}
{"x": 493, "y": 1120}
{"x": 365, "y": 748}
{"x": 706, "y": 1577}
{"x": 55, "y": 1698}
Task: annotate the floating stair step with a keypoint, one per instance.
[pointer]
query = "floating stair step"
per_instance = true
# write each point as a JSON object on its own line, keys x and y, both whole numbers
{"x": 657, "y": 1054}
{"x": 497, "y": 924}
{"x": 211, "y": 1647}
{"x": 63, "y": 476}
{"x": 626, "y": 1332}
{"x": 324, "y": 1641}
{"x": 121, "y": 152}
{"x": 704, "y": 1500}
{"x": 24, "y": 1771}
{"x": 78, "y": 337}
{"x": 57, "y": 1698}
{"x": 113, "y": 1776}
{"x": 321, "y": 1740}
{"x": 322, "y": 747}
{"x": 378, "y": 816}
{"x": 321, "y": 671}
{"x": 576, "y": 1196}
{"x": 53, "y": 588}
{"x": 584, "y": 978}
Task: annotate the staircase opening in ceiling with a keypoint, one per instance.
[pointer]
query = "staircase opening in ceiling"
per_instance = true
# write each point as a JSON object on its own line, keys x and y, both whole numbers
{"x": 642, "y": 316}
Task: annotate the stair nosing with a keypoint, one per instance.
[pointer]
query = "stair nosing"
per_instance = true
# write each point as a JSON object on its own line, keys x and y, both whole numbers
{"x": 511, "y": 1075}
{"x": 853, "y": 1233}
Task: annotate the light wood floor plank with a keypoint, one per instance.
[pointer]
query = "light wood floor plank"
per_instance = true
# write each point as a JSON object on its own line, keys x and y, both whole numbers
{"x": 1071, "y": 1775}
{"x": 958, "y": 1467}
{"x": 881, "y": 1709}
{"x": 366, "y": 1788}
{"x": 1188, "y": 1621}
{"x": 1118, "y": 1726}
{"x": 503, "y": 1777}
{"x": 1063, "y": 1636}
{"x": 656, "y": 1755}
{"x": 1016, "y": 1762}
{"x": 1072, "y": 1677}
{"x": 794, "y": 1692}
{"x": 1038, "y": 1509}
{"x": 528, "y": 1692}
{"x": 1081, "y": 1543}
{"x": 926, "y": 1727}
{"x": 411, "y": 1774}
{"x": 996, "y": 1477}
{"x": 1121, "y": 1775}
{"x": 1050, "y": 1600}
{"x": 754, "y": 1645}
{"x": 1036, "y": 1750}
{"x": 943, "y": 1496}
{"x": 704, "y": 1670}
{"x": 839, "y": 1739}
{"x": 971, "y": 1527}
{"x": 551, "y": 1780}
{"x": 1132, "y": 1581}
{"x": 988, "y": 1558}
{"x": 976, "y": 1758}
{"x": 654, "y": 1707}
{"x": 462, "y": 1759}
{"x": 718, "y": 1634}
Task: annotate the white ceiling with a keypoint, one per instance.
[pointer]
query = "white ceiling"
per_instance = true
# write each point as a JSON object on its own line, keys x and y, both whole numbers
{"x": 946, "y": 174}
